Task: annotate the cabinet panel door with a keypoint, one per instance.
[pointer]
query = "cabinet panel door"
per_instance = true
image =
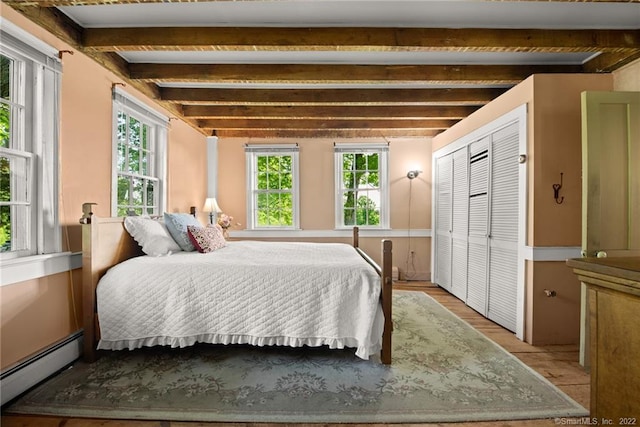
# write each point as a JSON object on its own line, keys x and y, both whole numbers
{"x": 503, "y": 230}
{"x": 460, "y": 224}
{"x": 477, "y": 275}
{"x": 503, "y": 276}
{"x": 444, "y": 181}
{"x": 478, "y": 187}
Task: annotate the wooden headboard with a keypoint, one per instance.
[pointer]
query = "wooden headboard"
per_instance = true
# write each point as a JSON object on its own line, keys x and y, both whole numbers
{"x": 105, "y": 243}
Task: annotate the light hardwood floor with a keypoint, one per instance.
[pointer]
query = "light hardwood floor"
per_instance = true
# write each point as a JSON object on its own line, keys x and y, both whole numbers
{"x": 559, "y": 364}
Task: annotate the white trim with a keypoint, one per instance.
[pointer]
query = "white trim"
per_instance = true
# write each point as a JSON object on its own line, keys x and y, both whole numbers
{"x": 19, "y": 379}
{"x": 252, "y": 151}
{"x": 364, "y": 232}
{"x": 34, "y": 267}
{"x": 23, "y": 36}
{"x": 521, "y": 116}
{"x": 382, "y": 149}
{"x": 551, "y": 253}
{"x": 270, "y": 148}
{"x": 158, "y": 126}
{"x": 38, "y": 92}
{"x": 353, "y": 147}
{"x": 139, "y": 108}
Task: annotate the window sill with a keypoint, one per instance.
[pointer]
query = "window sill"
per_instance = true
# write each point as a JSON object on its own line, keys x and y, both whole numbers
{"x": 34, "y": 267}
{"x": 345, "y": 232}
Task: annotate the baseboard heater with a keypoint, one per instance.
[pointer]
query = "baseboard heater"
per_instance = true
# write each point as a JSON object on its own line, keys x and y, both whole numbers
{"x": 21, "y": 377}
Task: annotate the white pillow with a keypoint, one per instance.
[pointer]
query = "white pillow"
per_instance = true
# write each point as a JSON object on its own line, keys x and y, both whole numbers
{"x": 152, "y": 235}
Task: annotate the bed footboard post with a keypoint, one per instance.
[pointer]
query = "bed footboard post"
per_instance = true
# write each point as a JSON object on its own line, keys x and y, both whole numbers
{"x": 356, "y": 232}
{"x": 88, "y": 292}
{"x": 387, "y": 295}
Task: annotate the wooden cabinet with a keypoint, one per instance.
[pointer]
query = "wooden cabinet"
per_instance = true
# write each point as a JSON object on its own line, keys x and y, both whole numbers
{"x": 613, "y": 285}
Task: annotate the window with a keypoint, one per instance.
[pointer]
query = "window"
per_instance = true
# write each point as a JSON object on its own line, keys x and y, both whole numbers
{"x": 29, "y": 116}
{"x": 273, "y": 186}
{"x": 361, "y": 185}
{"x": 140, "y": 139}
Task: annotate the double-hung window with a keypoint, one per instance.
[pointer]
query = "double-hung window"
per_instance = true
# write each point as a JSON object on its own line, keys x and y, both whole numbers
{"x": 272, "y": 177}
{"x": 139, "y": 144}
{"x": 29, "y": 117}
{"x": 361, "y": 185}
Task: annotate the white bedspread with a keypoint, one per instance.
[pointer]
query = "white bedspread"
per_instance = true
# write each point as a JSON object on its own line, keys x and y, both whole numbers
{"x": 249, "y": 292}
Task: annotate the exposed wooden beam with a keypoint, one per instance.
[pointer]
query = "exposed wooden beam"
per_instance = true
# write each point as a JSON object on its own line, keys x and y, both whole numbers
{"x": 68, "y": 31}
{"x": 327, "y": 111}
{"x": 53, "y": 3}
{"x": 327, "y": 133}
{"x": 607, "y": 62}
{"x": 324, "y": 124}
{"x": 52, "y": 20}
{"x": 359, "y": 39}
{"x": 215, "y": 96}
{"x": 314, "y": 73}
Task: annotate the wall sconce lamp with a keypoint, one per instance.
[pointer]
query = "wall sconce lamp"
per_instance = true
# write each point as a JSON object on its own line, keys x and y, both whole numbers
{"x": 211, "y": 206}
{"x": 413, "y": 174}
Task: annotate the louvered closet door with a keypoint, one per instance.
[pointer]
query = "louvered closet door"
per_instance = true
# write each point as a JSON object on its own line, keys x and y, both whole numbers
{"x": 459, "y": 224}
{"x": 503, "y": 236}
{"x": 478, "y": 223}
{"x": 443, "y": 222}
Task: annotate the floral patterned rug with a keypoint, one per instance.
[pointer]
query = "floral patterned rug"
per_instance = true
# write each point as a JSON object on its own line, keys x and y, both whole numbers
{"x": 443, "y": 370}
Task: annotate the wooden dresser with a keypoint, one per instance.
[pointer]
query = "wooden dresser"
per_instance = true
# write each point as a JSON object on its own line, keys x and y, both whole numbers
{"x": 613, "y": 285}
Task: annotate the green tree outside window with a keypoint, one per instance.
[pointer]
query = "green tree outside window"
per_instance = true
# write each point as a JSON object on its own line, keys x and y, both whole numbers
{"x": 361, "y": 189}
{"x": 274, "y": 191}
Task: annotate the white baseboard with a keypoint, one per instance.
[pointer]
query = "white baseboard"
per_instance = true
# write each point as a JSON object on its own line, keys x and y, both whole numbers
{"x": 21, "y": 377}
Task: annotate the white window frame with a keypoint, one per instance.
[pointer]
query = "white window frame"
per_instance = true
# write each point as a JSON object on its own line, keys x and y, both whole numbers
{"x": 34, "y": 139}
{"x": 253, "y": 151}
{"x": 383, "y": 170}
{"x": 158, "y": 125}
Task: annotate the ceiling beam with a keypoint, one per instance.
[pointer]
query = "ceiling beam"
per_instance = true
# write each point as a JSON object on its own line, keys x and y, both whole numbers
{"x": 608, "y": 62}
{"x": 327, "y": 133}
{"x": 61, "y": 26}
{"x": 315, "y": 73}
{"x": 54, "y": 3}
{"x": 216, "y": 96}
{"x": 358, "y": 39}
{"x": 327, "y": 111}
{"x": 324, "y": 124}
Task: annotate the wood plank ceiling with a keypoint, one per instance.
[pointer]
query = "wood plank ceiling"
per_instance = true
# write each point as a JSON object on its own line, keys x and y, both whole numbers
{"x": 330, "y": 96}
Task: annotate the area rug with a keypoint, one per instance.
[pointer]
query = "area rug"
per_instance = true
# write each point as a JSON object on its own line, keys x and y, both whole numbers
{"x": 443, "y": 371}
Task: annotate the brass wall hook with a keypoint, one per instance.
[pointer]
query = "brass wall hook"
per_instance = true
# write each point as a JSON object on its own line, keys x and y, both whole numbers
{"x": 556, "y": 191}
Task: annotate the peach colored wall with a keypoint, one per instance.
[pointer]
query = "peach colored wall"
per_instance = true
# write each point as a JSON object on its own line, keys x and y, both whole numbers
{"x": 554, "y": 146}
{"x": 557, "y": 118}
{"x": 38, "y": 313}
{"x": 317, "y": 192}
{"x": 627, "y": 78}
{"x": 556, "y": 320}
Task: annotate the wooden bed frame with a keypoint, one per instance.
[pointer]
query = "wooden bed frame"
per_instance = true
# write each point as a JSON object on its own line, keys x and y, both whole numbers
{"x": 105, "y": 243}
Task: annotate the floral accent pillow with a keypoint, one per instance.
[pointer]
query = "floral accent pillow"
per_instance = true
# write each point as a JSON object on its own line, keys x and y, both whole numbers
{"x": 177, "y": 225}
{"x": 206, "y": 239}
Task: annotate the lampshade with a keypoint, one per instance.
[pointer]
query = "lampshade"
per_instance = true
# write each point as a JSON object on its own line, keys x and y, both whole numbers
{"x": 211, "y": 205}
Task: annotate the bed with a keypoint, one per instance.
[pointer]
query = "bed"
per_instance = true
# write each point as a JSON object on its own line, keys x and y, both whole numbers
{"x": 249, "y": 292}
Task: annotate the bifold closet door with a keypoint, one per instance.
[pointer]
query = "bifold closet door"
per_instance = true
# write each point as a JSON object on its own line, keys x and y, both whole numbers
{"x": 478, "y": 225}
{"x": 459, "y": 223}
{"x": 442, "y": 274}
{"x": 503, "y": 235}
